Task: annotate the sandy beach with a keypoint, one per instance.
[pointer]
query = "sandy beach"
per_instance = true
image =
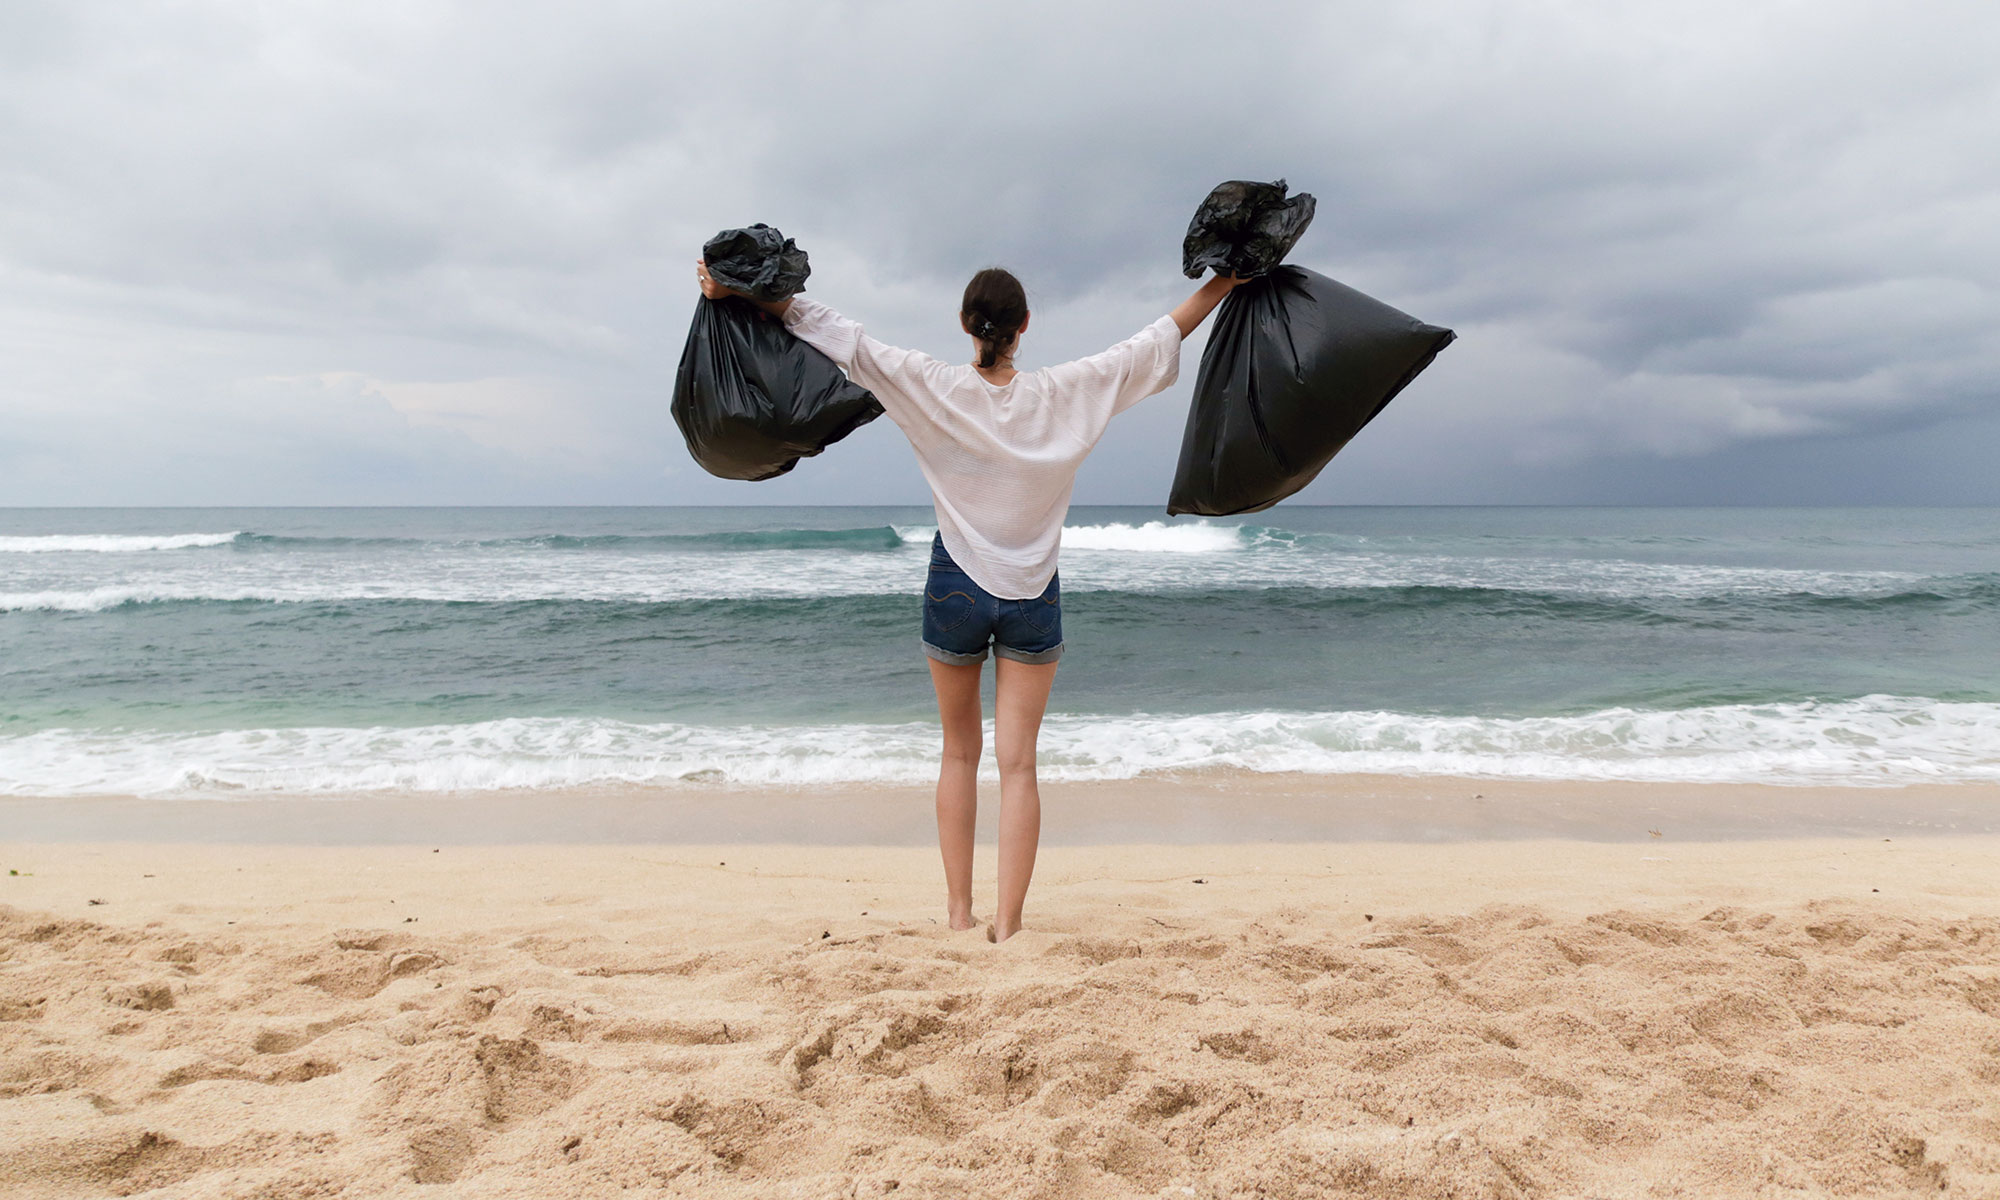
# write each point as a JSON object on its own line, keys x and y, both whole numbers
{"x": 1534, "y": 1016}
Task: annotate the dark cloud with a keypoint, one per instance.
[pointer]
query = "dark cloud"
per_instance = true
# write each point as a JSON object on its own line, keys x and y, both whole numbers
{"x": 310, "y": 247}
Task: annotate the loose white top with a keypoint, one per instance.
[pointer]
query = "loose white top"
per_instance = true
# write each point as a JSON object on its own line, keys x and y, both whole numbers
{"x": 1001, "y": 458}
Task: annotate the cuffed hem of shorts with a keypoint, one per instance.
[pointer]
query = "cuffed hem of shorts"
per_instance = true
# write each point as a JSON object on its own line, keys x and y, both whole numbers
{"x": 952, "y": 659}
{"x": 1031, "y": 657}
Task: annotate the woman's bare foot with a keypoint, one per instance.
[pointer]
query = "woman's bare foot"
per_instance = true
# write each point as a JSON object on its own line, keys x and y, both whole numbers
{"x": 996, "y": 935}
{"x": 960, "y": 922}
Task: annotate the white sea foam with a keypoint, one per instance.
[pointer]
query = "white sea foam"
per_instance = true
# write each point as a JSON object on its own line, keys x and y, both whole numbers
{"x": 1877, "y": 740}
{"x": 1154, "y": 537}
{"x": 98, "y": 599}
{"x": 110, "y": 543}
{"x": 1151, "y": 537}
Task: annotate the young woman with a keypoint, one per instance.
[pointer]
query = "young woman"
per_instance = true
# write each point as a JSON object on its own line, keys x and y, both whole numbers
{"x": 1000, "y": 448}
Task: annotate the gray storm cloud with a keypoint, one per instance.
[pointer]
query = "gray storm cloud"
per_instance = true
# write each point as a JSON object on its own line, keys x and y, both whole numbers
{"x": 416, "y": 252}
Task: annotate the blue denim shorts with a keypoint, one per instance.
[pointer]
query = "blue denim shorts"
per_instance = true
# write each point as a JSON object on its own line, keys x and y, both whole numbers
{"x": 961, "y": 618}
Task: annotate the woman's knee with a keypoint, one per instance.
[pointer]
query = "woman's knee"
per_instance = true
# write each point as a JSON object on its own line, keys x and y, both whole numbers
{"x": 963, "y": 746}
{"x": 1016, "y": 762}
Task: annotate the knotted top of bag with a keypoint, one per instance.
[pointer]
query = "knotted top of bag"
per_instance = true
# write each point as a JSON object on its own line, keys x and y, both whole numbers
{"x": 1244, "y": 229}
{"x": 759, "y": 261}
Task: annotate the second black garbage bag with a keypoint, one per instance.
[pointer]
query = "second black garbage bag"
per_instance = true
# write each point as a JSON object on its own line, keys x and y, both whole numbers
{"x": 1296, "y": 364}
{"x": 750, "y": 398}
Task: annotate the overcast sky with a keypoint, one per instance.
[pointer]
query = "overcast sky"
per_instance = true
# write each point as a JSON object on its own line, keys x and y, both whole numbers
{"x": 410, "y": 252}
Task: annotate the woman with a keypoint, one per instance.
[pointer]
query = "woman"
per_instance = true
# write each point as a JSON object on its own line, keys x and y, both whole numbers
{"x": 1000, "y": 448}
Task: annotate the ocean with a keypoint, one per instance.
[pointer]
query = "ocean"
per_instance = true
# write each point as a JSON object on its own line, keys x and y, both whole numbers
{"x": 256, "y": 652}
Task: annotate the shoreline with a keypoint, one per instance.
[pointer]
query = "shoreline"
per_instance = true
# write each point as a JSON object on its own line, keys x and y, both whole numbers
{"x": 1194, "y": 808}
{"x": 683, "y": 888}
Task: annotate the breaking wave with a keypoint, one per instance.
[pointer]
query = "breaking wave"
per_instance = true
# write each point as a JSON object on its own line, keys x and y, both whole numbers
{"x": 1875, "y": 740}
{"x": 111, "y": 543}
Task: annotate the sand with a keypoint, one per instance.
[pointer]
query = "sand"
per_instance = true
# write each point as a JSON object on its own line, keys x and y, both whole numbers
{"x": 1800, "y": 1017}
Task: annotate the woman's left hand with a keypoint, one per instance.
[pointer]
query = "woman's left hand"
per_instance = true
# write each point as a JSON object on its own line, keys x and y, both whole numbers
{"x": 1195, "y": 309}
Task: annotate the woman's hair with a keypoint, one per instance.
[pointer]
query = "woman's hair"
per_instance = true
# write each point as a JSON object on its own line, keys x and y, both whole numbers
{"x": 994, "y": 309}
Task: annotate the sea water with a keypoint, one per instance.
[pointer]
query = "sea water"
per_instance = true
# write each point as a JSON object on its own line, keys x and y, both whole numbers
{"x": 259, "y": 651}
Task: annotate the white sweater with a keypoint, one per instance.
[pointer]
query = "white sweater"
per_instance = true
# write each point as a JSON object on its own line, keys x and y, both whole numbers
{"x": 1001, "y": 459}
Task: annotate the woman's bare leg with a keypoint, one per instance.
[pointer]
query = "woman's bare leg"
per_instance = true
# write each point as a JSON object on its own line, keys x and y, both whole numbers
{"x": 958, "y": 782}
{"x": 1022, "y": 695}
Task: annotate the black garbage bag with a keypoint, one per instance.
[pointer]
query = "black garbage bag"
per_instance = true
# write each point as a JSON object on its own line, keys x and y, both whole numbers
{"x": 1295, "y": 366}
{"x": 1244, "y": 229}
{"x": 750, "y": 398}
{"x": 759, "y": 261}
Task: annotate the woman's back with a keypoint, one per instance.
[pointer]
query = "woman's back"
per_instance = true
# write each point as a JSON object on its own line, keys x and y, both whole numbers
{"x": 1001, "y": 459}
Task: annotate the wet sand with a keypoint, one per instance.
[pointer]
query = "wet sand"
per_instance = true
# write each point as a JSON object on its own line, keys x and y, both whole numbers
{"x": 1203, "y": 808}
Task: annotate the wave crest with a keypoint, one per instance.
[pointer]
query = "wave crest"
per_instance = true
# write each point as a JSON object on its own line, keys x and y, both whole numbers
{"x": 1875, "y": 740}
{"x": 1154, "y": 537}
{"x": 111, "y": 543}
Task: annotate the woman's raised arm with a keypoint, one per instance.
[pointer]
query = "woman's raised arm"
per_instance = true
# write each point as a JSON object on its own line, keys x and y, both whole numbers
{"x": 1195, "y": 309}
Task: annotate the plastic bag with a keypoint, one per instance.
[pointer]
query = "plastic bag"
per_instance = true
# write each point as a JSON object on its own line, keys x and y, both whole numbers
{"x": 750, "y": 398}
{"x": 1244, "y": 229}
{"x": 759, "y": 261}
{"x": 1295, "y": 366}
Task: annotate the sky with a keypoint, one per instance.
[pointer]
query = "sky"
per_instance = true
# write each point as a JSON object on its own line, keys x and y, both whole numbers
{"x": 424, "y": 253}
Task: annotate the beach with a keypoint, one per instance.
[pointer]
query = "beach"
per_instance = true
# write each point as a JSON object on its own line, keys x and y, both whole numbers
{"x": 1512, "y": 1014}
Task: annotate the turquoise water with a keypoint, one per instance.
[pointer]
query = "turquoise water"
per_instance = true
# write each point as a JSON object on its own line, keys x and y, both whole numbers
{"x": 285, "y": 650}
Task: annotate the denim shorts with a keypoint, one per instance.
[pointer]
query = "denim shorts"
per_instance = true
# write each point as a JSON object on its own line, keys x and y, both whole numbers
{"x": 961, "y": 618}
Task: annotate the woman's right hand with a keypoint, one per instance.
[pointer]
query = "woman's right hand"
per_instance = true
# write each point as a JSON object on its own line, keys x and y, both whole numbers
{"x": 775, "y": 309}
{"x": 709, "y": 288}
